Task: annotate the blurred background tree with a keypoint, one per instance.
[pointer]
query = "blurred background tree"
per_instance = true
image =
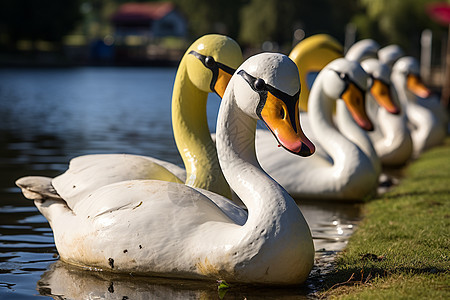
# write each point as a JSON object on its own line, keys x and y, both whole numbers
{"x": 250, "y": 22}
{"x": 395, "y": 22}
{"x": 220, "y": 16}
{"x": 272, "y": 20}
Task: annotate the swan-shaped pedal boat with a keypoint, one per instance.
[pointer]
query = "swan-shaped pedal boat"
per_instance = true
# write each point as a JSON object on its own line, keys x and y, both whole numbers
{"x": 328, "y": 49}
{"x": 346, "y": 167}
{"x": 162, "y": 228}
{"x": 391, "y": 137}
{"x": 427, "y": 128}
{"x": 206, "y": 67}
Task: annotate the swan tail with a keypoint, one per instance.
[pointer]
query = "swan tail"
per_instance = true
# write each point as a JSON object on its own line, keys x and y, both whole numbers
{"x": 37, "y": 188}
{"x": 46, "y": 199}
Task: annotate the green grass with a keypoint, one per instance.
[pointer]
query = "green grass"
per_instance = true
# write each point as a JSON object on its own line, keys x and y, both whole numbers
{"x": 401, "y": 250}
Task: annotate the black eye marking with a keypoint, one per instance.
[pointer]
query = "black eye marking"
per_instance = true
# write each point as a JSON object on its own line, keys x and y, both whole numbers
{"x": 210, "y": 62}
{"x": 346, "y": 78}
{"x": 260, "y": 84}
{"x": 263, "y": 88}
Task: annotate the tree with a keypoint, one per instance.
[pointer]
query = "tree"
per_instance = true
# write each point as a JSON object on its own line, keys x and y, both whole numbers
{"x": 220, "y": 16}
{"x": 394, "y": 22}
{"x": 272, "y": 20}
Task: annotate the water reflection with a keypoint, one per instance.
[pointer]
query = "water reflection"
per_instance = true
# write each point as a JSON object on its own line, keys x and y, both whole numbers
{"x": 71, "y": 282}
{"x": 51, "y": 116}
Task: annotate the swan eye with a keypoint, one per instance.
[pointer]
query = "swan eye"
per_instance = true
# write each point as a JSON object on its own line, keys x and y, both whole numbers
{"x": 259, "y": 84}
{"x": 210, "y": 62}
{"x": 344, "y": 76}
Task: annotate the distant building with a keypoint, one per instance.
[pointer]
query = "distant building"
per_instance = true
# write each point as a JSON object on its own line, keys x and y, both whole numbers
{"x": 150, "y": 20}
{"x": 152, "y": 32}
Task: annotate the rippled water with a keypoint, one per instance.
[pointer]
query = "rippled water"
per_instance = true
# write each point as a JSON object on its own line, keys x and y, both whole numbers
{"x": 49, "y": 116}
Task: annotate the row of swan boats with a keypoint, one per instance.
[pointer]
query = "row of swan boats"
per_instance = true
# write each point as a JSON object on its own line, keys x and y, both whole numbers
{"x": 140, "y": 215}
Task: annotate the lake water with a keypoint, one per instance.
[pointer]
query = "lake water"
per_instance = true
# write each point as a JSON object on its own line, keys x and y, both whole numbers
{"x": 49, "y": 116}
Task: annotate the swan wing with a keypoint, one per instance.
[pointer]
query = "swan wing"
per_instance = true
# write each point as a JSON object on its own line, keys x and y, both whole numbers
{"x": 144, "y": 226}
{"x": 150, "y": 197}
{"x": 233, "y": 211}
{"x": 89, "y": 172}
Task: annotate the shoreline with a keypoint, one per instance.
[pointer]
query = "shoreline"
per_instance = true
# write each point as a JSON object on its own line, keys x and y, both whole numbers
{"x": 400, "y": 248}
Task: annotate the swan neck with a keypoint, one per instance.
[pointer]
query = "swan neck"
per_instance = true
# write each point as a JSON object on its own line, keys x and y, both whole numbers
{"x": 356, "y": 134}
{"x": 262, "y": 196}
{"x": 320, "y": 114}
{"x": 192, "y": 136}
{"x": 275, "y": 233}
{"x": 399, "y": 84}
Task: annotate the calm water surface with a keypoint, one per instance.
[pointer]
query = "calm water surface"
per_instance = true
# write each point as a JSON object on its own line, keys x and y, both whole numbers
{"x": 49, "y": 116}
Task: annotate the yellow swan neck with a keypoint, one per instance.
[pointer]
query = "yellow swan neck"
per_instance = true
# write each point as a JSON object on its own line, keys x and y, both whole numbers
{"x": 192, "y": 136}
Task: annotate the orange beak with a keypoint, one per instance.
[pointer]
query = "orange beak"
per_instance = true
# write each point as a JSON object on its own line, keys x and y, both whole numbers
{"x": 282, "y": 118}
{"x": 223, "y": 78}
{"x": 416, "y": 86}
{"x": 382, "y": 95}
{"x": 355, "y": 101}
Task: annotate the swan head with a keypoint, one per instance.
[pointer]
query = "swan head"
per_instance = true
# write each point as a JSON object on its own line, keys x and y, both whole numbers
{"x": 211, "y": 61}
{"x": 362, "y": 50}
{"x": 390, "y": 54}
{"x": 408, "y": 68}
{"x": 380, "y": 84}
{"x": 268, "y": 88}
{"x": 346, "y": 80}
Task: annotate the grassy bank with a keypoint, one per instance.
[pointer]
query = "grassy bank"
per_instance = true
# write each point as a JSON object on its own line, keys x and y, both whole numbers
{"x": 401, "y": 250}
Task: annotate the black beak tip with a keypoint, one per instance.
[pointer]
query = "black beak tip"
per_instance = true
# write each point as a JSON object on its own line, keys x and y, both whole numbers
{"x": 305, "y": 151}
{"x": 397, "y": 111}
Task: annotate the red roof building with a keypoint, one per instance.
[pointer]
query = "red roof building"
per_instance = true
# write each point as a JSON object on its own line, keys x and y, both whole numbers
{"x": 153, "y": 19}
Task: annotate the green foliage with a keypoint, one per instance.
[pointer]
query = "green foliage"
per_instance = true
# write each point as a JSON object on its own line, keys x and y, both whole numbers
{"x": 394, "y": 21}
{"x": 405, "y": 234}
{"x": 204, "y": 17}
{"x": 250, "y": 22}
{"x": 259, "y": 27}
{"x": 222, "y": 288}
{"x": 272, "y": 20}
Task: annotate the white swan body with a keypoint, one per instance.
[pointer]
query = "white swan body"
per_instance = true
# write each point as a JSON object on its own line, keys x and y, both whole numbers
{"x": 391, "y": 137}
{"x": 344, "y": 170}
{"x": 194, "y": 80}
{"x": 167, "y": 229}
{"x": 426, "y": 128}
